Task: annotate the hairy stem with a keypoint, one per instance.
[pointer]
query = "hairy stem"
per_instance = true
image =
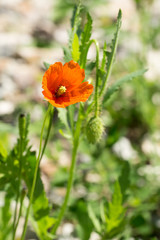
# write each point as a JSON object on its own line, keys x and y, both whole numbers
{"x": 36, "y": 172}
{"x": 71, "y": 173}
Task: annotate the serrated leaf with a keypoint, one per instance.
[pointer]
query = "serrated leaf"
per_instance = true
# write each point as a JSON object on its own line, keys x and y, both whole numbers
{"x": 47, "y": 65}
{"x": 113, "y": 47}
{"x": 115, "y": 86}
{"x": 85, "y": 36}
{"x": 111, "y": 54}
{"x": 117, "y": 196}
{"x": 67, "y": 54}
{"x": 104, "y": 57}
{"x": 75, "y": 48}
{"x": 115, "y": 213}
{"x": 75, "y": 23}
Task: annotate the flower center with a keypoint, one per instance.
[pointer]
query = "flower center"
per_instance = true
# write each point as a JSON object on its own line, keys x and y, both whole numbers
{"x": 60, "y": 91}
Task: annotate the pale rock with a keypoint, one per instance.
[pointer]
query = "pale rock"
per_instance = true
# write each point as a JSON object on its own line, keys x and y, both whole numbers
{"x": 94, "y": 236}
{"x": 61, "y": 35}
{"x": 64, "y": 159}
{"x": 67, "y": 229}
{"x": 124, "y": 149}
{"x": 7, "y": 86}
{"x": 6, "y": 107}
{"x": 153, "y": 60}
{"x": 151, "y": 146}
{"x": 9, "y": 42}
{"x": 93, "y": 178}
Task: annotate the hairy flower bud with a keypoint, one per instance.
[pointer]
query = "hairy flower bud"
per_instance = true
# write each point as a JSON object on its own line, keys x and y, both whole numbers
{"x": 94, "y": 129}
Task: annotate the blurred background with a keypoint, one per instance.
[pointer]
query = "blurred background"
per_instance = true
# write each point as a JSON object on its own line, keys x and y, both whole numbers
{"x": 34, "y": 31}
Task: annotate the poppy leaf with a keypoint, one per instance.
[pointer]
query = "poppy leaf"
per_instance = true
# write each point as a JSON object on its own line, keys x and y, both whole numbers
{"x": 111, "y": 54}
{"x": 115, "y": 213}
{"x": 115, "y": 86}
{"x": 75, "y": 48}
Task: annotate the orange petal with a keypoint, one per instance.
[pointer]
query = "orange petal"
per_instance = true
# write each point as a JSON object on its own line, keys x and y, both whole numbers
{"x": 52, "y": 77}
{"x": 80, "y": 94}
{"x": 73, "y": 75}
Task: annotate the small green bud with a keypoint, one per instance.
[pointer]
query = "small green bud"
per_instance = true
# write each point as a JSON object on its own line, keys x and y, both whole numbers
{"x": 94, "y": 129}
{"x": 22, "y": 125}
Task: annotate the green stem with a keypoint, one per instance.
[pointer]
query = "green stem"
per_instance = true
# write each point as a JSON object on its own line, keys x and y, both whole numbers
{"x": 19, "y": 215}
{"x": 83, "y": 64}
{"x": 18, "y": 194}
{"x": 35, "y": 174}
{"x": 48, "y": 132}
{"x": 71, "y": 173}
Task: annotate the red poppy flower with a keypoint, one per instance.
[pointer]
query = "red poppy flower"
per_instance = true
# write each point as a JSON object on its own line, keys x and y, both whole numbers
{"x": 63, "y": 84}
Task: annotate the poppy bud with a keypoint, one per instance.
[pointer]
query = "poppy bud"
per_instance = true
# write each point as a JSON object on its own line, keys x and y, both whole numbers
{"x": 22, "y": 125}
{"x": 94, "y": 129}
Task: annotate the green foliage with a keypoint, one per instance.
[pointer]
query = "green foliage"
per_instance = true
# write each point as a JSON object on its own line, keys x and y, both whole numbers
{"x": 84, "y": 226}
{"x": 3, "y": 152}
{"x": 85, "y": 37}
{"x": 75, "y": 48}
{"x": 76, "y": 20}
{"x": 94, "y": 219}
{"x": 40, "y": 203}
{"x": 111, "y": 54}
{"x": 112, "y": 217}
{"x": 115, "y": 86}
{"x": 22, "y": 160}
{"x": 124, "y": 179}
{"x": 115, "y": 213}
{"x": 6, "y": 219}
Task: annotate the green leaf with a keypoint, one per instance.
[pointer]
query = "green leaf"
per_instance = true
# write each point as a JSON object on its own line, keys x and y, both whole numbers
{"x": 104, "y": 57}
{"x": 115, "y": 213}
{"x": 47, "y": 65}
{"x": 85, "y": 37}
{"x": 117, "y": 195}
{"x": 6, "y": 218}
{"x": 75, "y": 48}
{"x": 94, "y": 219}
{"x": 67, "y": 136}
{"x": 84, "y": 226}
{"x": 124, "y": 179}
{"x": 40, "y": 205}
{"x": 111, "y": 54}
{"x": 67, "y": 54}
{"x": 115, "y": 86}
{"x": 62, "y": 114}
{"x": 3, "y": 151}
{"x": 76, "y": 20}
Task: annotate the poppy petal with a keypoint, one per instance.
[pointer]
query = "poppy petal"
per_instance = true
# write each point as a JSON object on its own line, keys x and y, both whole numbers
{"x": 52, "y": 77}
{"x": 73, "y": 75}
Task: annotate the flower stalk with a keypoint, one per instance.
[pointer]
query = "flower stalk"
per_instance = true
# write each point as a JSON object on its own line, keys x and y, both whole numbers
{"x": 71, "y": 173}
{"x": 40, "y": 154}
